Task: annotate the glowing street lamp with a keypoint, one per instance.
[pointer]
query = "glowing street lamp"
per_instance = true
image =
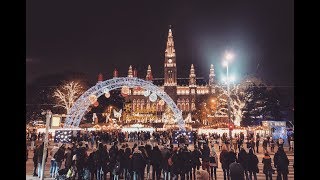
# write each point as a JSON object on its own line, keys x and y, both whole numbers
{"x": 227, "y": 59}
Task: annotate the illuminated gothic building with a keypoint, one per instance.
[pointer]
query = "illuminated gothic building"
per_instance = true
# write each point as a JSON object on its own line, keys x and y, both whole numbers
{"x": 186, "y": 92}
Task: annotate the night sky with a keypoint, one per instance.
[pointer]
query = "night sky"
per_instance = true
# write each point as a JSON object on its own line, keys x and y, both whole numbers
{"x": 98, "y": 37}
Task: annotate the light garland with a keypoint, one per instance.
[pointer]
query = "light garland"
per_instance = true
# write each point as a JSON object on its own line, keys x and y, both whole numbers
{"x": 153, "y": 97}
{"x": 93, "y": 98}
{"x": 146, "y": 93}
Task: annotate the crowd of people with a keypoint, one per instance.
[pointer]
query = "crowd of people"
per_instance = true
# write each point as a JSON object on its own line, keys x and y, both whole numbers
{"x": 88, "y": 157}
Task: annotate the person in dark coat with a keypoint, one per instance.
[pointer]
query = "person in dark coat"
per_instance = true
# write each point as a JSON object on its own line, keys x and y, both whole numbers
{"x": 196, "y": 155}
{"x": 236, "y": 171}
{"x": 156, "y": 158}
{"x": 91, "y": 164}
{"x": 253, "y": 164}
{"x": 148, "y": 149}
{"x": 205, "y": 151}
{"x": 176, "y": 165}
{"x": 121, "y": 160}
{"x": 138, "y": 164}
{"x": 113, "y": 153}
{"x": 35, "y": 160}
{"x": 68, "y": 158}
{"x": 81, "y": 155}
{"x": 243, "y": 160}
{"x": 267, "y": 168}
{"x": 232, "y": 156}
{"x": 39, "y": 158}
{"x": 165, "y": 152}
{"x": 185, "y": 160}
{"x": 127, "y": 163}
{"x": 281, "y": 162}
{"x": 224, "y": 160}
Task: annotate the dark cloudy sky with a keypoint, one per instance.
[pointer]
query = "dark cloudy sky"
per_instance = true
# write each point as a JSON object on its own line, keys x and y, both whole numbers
{"x": 96, "y": 37}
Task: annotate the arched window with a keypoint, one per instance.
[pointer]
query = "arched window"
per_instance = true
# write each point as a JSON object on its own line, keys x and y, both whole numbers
{"x": 134, "y": 105}
{"x": 193, "y": 107}
{"x": 142, "y": 103}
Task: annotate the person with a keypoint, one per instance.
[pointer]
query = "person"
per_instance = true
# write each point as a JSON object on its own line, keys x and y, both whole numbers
{"x": 272, "y": 143}
{"x": 243, "y": 160}
{"x": 196, "y": 155}
{"x": 101, "y": 158}
{"x": 236, "y": 171}
{"x": 280, "y": 142}
{"x": 257, "y": 143}
{"x": 267, "y": 168}
{"x": 213, "y": 162}
{"x": 220, "y": 143}
{"x": 202, "y": 175}
{"x": 165, "y": 152}
{"x": 281, "y": 162}
{"x": 91, "y": 163}
{"x": 35, "y": 160}
{"x": 265, "y": 145}
{"x": 59, "y": 157}
{"x": 68, "y": 158}
{"x": 253, "y": 164}
{"x": 156, "y": 162}
{"x": 291, "y": 144}
{"x": 39, "y": 156}
{"x": 53, "y": 163}
{"x": 224, "y": 160}
{"x": 205, "y": 151}
{"x": 138, "y": 164}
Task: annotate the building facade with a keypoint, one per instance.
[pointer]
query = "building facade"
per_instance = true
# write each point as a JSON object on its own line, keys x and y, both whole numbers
{"x": 186, "y": 92}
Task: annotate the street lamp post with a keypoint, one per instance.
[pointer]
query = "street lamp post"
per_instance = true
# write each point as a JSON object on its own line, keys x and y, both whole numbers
{"x": 48, "y": 114}
{"x": 228, "y": 57}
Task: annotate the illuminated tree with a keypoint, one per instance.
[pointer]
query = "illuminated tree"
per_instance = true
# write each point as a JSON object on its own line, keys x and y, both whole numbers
{"x": 66, "y": 94}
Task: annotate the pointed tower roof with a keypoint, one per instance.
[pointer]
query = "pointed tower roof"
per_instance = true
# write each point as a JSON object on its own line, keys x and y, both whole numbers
{"x": 100, "y": 77}
{"x": 170, "y": 51}
{"x": 149, "y": 74}
{"x": 130, "y": 74}
{"x": 115, "y": 73}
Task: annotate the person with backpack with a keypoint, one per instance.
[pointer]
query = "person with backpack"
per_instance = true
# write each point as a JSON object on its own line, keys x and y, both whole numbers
{"x": 213, "y": 162}
{"x": 281, "y": 162}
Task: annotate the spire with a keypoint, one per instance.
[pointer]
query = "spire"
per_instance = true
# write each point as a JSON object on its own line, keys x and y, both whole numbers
{"x": 211, "y": 75}
{"x": 115, "y": 73}
{"x": 170, "y": 51}
{"x": 149, "y": 74}
{"x": 135, "y": 73}
{"x": 192, "y": 76}
{"x": 100, "y": 77}
{"x": 130, "y": 71}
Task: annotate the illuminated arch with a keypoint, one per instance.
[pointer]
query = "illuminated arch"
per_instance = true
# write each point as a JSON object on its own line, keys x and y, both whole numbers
{"x": 80, "y": 107}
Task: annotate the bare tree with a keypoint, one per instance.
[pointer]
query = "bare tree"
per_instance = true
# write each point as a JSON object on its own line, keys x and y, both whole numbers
{"x": 66, "y": 94}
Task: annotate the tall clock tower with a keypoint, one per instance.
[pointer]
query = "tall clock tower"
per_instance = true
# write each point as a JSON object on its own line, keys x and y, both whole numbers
{"x": 170, "y": 68}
